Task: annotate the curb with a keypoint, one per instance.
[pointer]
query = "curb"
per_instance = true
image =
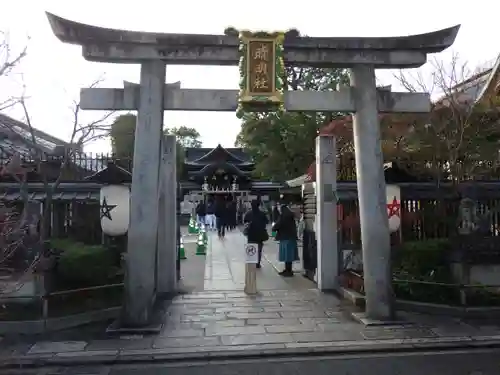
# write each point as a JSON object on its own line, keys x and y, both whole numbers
{"x": 113, "y": 357}
{"x": 276, "y": 268}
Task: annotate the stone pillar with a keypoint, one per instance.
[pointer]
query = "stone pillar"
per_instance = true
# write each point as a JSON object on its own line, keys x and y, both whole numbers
{"x": 326, "y": 211}
{"x": 143, "y": 230}
{"x": 371, "y": 195}
{"x": 167, "y": 249}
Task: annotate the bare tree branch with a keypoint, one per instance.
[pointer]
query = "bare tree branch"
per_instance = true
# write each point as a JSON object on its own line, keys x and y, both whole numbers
{"x": 9, "y": 61}
{"x": 459, "y": 135}
{"x": 82, "y": 133}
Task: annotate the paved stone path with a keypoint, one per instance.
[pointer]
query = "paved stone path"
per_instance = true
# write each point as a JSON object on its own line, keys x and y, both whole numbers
{"x": 271, "y": 256}
{"x": 227, "y": 323}
{"x": 225, "y": 266}
{"x": 288, "y": 314}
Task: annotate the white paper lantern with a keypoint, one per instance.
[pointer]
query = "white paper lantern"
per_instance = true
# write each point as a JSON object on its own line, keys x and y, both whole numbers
{"x": 393, "y": 193}
{"x": 115, "y": 209}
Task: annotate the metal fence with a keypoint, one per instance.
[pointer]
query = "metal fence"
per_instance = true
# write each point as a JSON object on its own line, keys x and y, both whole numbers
{"x": 60, "y": 303}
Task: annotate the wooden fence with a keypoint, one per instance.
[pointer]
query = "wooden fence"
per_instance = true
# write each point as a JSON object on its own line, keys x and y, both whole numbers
{"x": 429, "y": 211}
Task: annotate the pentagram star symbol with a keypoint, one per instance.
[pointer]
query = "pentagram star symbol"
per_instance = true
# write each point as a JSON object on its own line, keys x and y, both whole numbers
{"x": 106, "y": 209}
{"x": 393, "y": 208}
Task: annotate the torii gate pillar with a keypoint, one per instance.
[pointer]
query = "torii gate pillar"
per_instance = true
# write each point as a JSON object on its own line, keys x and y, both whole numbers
{"x": 141, "y": 273}
{"x": 375, "y": 237}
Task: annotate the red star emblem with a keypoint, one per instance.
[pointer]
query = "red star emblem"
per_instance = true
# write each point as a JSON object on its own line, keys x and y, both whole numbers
{"x": 393, "y": 209}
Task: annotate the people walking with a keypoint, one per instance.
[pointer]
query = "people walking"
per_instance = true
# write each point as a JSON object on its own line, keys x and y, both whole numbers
{"x": 255, "y": 228}
{"x": 232, "y": 214}
{"x": 220, "y": 212}
{"x": 286, "y": 234}
{"x": 200, "y": 213}
{"x": 275, "y": 213}
{"x": 210, "y": 216}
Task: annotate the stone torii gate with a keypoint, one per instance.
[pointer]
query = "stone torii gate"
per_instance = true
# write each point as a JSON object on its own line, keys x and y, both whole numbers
{"x": 151, "y": 97}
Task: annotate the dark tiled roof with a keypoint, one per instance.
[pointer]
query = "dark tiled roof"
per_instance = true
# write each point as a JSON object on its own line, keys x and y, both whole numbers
{"x": 19, "y": 133}
{"x": 193, "y": 154}
{"x": 17, "y": 138}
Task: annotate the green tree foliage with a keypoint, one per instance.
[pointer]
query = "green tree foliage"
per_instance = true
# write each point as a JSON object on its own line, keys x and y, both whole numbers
{"x": 186, "y": 137}
{"x": 123, "y": 136}
{"x": 282, "y": 145}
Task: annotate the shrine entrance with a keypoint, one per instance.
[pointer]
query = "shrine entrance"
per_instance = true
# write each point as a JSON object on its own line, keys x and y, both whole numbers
{"x": 211, "y": 174}
{"x": 261, "y": 57}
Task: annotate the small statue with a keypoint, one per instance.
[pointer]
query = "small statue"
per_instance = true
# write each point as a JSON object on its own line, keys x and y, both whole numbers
{"x": 468, "y": 218}
{"x": 471, "y": 220}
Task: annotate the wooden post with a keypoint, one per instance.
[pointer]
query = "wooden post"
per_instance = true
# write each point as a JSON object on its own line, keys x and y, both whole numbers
{"x": 250, "y": 278}
{"x": 251, "y": 258}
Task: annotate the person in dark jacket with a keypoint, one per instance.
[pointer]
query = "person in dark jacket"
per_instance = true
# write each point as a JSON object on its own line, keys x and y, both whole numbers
{"x": 220, "y": 212}
{"x": 201, "y": 213}
{"x": 275, "y": 213}
{"x": 286, "y": 234}
{"x": 233, "y": 212}
{"x": 210, "y": 216}
{"x": 255, "y": 228}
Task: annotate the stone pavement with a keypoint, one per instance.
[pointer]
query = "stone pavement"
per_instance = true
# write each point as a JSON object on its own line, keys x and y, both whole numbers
{"x": 271, "y": 255}
{"x": 227, "y": 324}
{"x": 225, "y": 266}
{"x": 288, "y": 316}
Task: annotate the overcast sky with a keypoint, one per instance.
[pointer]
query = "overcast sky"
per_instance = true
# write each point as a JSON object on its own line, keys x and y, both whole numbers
{"x": 54, "y": 72}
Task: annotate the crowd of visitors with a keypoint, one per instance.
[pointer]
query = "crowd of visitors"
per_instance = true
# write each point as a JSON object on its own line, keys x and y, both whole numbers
{"x": 218, "y": 215}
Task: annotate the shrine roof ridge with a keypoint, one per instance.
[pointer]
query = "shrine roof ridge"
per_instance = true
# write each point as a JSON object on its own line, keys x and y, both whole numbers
{"x": 82, "y": 34}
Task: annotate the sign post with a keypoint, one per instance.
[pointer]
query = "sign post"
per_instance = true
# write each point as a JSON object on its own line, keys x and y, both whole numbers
{"x": 251, "y": 259}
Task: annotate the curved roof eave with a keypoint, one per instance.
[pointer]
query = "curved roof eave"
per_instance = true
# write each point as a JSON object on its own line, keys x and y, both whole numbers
{"x": 298, "y": 181}
{"x": 491, "y": 83}
{"x": 218, "y": 147}
{"x": 230, "y": 166}
{"x": 78, "y": 33}
{"x": 195, "y": 164}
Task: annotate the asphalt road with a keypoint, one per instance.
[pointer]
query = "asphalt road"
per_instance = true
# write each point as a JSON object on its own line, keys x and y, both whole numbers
{"x": 476, "y": 362}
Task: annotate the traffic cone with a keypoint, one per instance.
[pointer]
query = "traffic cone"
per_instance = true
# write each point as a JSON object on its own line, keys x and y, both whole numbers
{"x": 204, "y": 233}
{"x": 182, "y": 252}
{"x": 192, "y": 225}
{"x": 200, "y": 245}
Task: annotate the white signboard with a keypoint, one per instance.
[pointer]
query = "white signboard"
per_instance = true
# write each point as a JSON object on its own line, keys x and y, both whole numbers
{"x": 186, "y": 207}
{"x": 195, "y": 197}
{"x": 251, "y": 253}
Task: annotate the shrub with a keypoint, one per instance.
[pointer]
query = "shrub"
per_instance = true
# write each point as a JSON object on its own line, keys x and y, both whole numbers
{"x": 423, "y": 259}
{"x": 81, "y": 265}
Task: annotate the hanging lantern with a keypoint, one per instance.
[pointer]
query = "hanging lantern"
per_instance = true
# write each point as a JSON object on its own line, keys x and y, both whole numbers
{"x": 393, "y": 193}
{"x": 115, "y": 209}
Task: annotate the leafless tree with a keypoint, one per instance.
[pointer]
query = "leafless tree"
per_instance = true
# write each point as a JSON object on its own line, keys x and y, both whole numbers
{"x": 459, "y": 137}
{"x": 12, "y": 228}
{"x": 9, "y": 61}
